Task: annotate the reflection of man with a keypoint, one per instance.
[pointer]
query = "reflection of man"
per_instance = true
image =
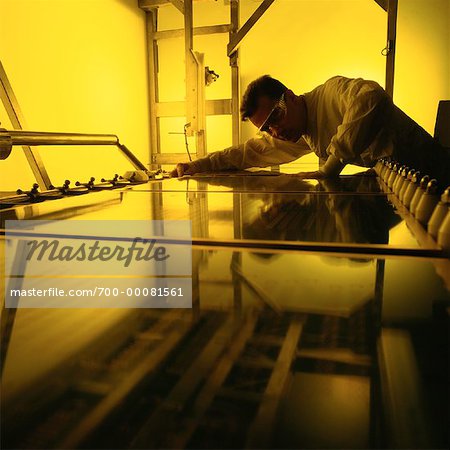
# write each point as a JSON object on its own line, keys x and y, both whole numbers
{"x": 315, "y": 217}
{"x": 344, "y": 121}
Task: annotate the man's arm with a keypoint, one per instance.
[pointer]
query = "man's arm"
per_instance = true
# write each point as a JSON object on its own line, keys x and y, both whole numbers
{"x": 228, "y": 159}
{"x": 365, "y": 107}
{"x": 332, "y": 168}
{"x": 180, "y": 170}
{"x": 264, "y": 151}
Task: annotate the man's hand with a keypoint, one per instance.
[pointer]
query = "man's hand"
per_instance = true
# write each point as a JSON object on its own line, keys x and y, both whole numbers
{"x": 317, "y": 174}
{"x": 180, "y": 170}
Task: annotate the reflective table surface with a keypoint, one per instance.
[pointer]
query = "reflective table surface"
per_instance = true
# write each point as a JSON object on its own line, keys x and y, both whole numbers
{"x": 351, "y": 214}
{"x": 319, "y": 319}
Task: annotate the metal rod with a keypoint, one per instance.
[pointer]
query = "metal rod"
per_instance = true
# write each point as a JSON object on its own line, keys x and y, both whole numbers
{"x": 21, "y": 137}
{"x": 235, "y": 77}
{"x": 152, "y": 59}
{"x": 198, "y": 31}
{"x": 391, "y": 43}
{"x": 236, "y": 38}
{"x": 50, "y": 138}
{"x": 383, "y": 4}
{"x": 179, "y": 4}
{"x": 131, "y": 157}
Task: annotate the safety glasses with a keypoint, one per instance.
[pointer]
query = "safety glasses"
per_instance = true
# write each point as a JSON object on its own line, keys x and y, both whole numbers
{"x": 275, "y": 116}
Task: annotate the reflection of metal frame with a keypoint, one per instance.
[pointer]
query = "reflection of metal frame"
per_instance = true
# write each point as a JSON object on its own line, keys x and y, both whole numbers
{"x": 8, "y": 315}
{"x": 401, "y": 389}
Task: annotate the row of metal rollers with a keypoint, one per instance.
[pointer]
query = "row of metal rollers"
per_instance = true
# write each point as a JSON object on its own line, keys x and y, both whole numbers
{"x": 420, "y": 196}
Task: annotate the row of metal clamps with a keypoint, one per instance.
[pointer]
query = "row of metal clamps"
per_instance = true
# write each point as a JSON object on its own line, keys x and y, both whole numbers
{"x": 420, "y": 196}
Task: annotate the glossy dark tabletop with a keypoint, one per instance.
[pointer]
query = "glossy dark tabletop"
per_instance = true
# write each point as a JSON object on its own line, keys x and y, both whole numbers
{"x": 284, "y": 209}
{"x": 338, "y": 256}
{"x": 262, "y": 181}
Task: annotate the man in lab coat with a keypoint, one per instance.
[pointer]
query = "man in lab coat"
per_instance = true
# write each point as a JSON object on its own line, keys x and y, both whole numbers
{"x": 343, "y": 121}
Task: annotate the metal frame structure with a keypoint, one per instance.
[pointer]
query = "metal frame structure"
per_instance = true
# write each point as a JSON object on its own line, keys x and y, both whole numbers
{"x": 18, "y": 122}
{"x": 28, "y": 138}
{"x": 195, "y": 107}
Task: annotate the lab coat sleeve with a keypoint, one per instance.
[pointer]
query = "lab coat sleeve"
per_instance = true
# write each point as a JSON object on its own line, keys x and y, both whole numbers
{"x": 332, "y": 167}
{"x": 366, "y": 106}
{"x": 263, "y": 151}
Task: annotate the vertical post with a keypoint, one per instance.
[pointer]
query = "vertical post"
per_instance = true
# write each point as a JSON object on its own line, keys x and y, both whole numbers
{"x": 195, "y": 84}
{"x": 153, "y": 69}
{"x": 235, "y": 124}
{"x": 375, "y": 387}
{"x": 191, "y": 69}
{"x": 391, "y": 42}
{"x": 152, "y": 54}
{"x": 201, "y": 104}
{"x": 234, "y": 63}
{"x": 236, "y": 130}
{"x": 236, "y": 259}
{"x": 379, "y": 291}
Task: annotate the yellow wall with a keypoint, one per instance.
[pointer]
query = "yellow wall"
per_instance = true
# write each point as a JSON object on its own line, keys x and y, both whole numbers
{"x": 80, "y": 65}
{"x": 422, "y": 72}
{"x": 76, "y": 66}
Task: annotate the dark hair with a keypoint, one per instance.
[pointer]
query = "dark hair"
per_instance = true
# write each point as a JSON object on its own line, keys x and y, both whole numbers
{"x": 264, "y": 86}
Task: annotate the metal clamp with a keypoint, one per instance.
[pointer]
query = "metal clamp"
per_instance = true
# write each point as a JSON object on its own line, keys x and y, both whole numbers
{"x": 5, "y": 144}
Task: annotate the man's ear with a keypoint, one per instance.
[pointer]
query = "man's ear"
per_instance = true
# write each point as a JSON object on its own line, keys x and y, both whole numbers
{"x": 289, "y": 95}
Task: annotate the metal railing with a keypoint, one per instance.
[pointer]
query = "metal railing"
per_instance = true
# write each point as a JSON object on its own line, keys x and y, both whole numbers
{"x": 21, "y": 137}
{"x": 10, "y": 138}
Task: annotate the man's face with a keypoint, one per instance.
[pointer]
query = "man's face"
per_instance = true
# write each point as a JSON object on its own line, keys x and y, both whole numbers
{"x": 289, "y": 125}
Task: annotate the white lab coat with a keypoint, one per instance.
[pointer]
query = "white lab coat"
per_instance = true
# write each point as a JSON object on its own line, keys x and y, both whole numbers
{"x": 348, "y": 121}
